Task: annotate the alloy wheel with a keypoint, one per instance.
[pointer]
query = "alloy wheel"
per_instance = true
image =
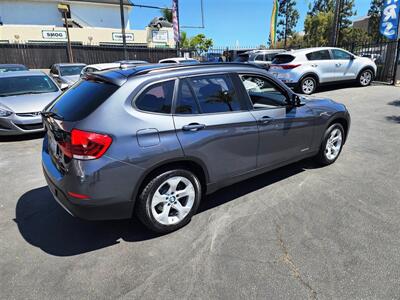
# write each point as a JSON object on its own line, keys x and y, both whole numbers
{"x": 308, "y": 86}
{"x": 173, "y": 200}
{"x": 333, "y": 144}
{"x": 365, "y": 78}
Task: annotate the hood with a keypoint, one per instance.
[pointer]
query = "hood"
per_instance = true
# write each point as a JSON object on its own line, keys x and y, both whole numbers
{"x": 28, "y": 102}
{"x": 70, "y": 80}
{"x": 322, "y": 104}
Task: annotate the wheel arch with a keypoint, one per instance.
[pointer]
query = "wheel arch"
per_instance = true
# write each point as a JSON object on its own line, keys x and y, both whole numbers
{"x": 367, "y": 68}
{"x": 310, "y": 74}
{"x": 188, "y": 163}
{"x": 342, "y": 121}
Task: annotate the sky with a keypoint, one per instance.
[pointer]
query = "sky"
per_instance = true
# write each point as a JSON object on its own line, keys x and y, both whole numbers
{"x": 227, "y": 22}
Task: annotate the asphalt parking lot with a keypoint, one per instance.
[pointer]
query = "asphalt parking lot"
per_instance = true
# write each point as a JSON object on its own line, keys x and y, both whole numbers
{"x": 297, "y": 232}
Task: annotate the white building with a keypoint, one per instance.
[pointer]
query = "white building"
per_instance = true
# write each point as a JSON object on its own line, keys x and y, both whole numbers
{"x": 93, "y": 22}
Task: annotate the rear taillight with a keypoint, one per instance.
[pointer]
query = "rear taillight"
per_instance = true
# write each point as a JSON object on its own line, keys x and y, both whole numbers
{"x": 86, "y": 145}
{"x": 285, "y": 67}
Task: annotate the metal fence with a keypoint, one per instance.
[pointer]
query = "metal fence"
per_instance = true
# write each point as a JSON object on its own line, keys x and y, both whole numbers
{"x": 384, "y": 53}
{"x": 42, "y": 56}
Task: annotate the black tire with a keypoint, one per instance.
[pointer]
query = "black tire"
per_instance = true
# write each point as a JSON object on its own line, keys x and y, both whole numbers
{"x": 143, "y": 205}
{"x": 365, "y": 77}
{"x": 310, "y": 82}
{"x": 321, "y": 158}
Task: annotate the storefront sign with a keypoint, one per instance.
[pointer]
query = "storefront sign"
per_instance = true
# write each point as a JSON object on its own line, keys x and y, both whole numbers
{"x": 54, "y": 35}
{"x": 160, "y": 36}
{"x": 116, "y": 36}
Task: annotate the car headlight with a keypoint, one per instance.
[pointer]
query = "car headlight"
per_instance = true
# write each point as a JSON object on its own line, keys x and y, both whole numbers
{"x": 5, "y": 113}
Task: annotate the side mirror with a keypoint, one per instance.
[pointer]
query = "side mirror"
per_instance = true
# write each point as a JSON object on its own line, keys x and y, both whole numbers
{"x": 64, "y": 86}
{"x": 352, "y": 57}
{"x": 55, "y": 75}
{"x": 296, "y": 101}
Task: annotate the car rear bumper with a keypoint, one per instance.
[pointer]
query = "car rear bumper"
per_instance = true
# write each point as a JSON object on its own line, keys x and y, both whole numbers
{"x": 103, "y": 204}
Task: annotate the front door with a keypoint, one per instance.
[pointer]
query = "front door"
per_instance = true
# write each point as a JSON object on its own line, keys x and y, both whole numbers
{"x": 214, "y": 126}
{"x": 285, "y": 131}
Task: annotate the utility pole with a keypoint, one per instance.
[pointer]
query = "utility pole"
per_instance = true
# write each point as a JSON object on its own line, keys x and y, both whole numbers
{"x": 121, "y": 8}
{"x": 64, "y": 9}
{"x": 336, "y": 23}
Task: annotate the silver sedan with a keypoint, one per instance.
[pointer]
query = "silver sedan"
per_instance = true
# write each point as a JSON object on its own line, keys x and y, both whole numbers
{"x": 23, "y": 95}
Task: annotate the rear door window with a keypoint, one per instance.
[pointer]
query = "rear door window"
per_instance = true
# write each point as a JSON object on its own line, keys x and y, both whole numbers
{"x": 157, "y": 98}
{"x": 82, "y": 99}
{"x": 186, "y": 102}
{"x": 215, "y": 93}
{"x": 319, "y": 55}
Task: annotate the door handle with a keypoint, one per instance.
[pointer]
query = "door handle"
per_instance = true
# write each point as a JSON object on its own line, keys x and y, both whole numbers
{"x": 193, "y": 127}
{"x": 338, "y": 65}
{"x": 314, "y": 65}
{"x": 265, "y": 120}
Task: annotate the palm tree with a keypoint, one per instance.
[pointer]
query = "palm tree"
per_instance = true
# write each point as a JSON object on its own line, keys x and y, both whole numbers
{"x": 167, "y": 13}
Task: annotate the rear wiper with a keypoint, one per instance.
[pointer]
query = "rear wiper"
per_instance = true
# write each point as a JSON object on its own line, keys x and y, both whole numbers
{"x": 52, "y": 114}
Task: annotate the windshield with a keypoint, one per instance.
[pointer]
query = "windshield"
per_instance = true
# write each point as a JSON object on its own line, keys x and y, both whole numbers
{"x": 242, "y": 58}
{"x": 71, "y": 70}
{"x": 13, "y": 68}
{"x": 19, "y": 85}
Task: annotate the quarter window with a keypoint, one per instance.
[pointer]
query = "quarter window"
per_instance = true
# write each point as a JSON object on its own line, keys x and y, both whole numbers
{"x": 215, "y": 93}
{"x": 157, "y": 98}
{"x": 319, "y": 55}
{"x": 339, "y": 54}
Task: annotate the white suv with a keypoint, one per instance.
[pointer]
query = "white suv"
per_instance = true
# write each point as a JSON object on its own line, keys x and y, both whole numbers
{"x": 306, "y": 69}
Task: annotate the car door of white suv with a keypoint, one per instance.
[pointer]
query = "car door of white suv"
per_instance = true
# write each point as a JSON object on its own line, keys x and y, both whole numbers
{"x": 345, "y": 66}
{"x": 320, "y": 63}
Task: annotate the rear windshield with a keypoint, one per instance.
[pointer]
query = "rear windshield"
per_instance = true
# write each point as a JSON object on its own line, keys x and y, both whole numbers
{"x": 242, "y": 58}
{"x": 282, "y": 59}
{"x": 71, "y": 70}
{"x": 82, "y": 99}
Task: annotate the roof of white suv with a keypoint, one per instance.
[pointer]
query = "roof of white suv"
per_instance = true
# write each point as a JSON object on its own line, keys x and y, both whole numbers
{"x": 308, "y": 50}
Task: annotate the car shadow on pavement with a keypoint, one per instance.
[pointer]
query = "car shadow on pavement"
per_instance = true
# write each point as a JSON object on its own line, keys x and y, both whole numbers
{"x": 44, "y": 224}
{"x": 25, "y": 137}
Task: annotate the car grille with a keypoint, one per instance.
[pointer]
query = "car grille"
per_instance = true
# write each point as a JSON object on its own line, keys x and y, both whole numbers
{"x": 30, "y": 126}
{"x": 30, "y": 114}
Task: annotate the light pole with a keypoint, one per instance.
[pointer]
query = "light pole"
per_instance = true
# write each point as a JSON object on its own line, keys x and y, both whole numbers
{"x": 64, "y": 9}
{"x": 121, "y": 8}
{"x": 336, "y": 23}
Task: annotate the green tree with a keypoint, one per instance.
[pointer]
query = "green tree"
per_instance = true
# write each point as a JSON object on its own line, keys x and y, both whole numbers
{"x": 318, "y": 29}
{"x": 185, "y": 40}
{"x": 201, "y": 43}
{"x": 288, "y": 16}
{"x": 167, "y": 13}
{"x": 320, "y": 6}
{"x": 320, "y": 20}
{"x": 375, "y": 12}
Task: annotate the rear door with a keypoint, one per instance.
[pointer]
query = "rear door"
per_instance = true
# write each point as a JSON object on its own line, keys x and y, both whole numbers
{"x": 321, "y": 63}
{"x": 345, "y": 67}
{"x": 214, "y": 125}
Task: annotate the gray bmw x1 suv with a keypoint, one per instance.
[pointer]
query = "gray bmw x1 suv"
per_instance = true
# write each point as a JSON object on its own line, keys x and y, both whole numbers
{"x": 153, "y": 140}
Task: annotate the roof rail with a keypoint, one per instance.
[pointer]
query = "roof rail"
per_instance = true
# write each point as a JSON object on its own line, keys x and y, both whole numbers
{"x": 192, "y": 66}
